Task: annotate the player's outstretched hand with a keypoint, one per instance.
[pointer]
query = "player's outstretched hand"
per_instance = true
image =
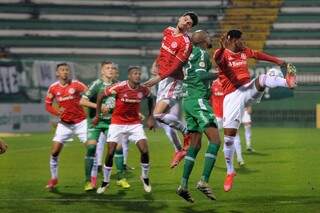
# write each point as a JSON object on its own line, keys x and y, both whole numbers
{"x": 152, "y": 81}
{"x": 95, "y": 121}
{"x": 3, "y": 146}
{"x": 151, "y": 123}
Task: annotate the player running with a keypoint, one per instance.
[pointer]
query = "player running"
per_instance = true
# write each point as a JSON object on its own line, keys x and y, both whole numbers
{"x": 174, "y": 52}
{"x": 126, "y": 123}
{"x": 240, "y": 90}
{"x": 198, "y": 114}
{"x": 67, "y": 94}
{"x": 89, "y": 100}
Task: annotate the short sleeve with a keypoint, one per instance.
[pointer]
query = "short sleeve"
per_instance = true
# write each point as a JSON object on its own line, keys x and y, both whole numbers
{"x": 81, "y": 87}
{"x": 50, "y": 95}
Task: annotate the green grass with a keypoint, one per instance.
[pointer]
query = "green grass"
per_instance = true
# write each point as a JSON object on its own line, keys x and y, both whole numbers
{"x": 282, "y": 176}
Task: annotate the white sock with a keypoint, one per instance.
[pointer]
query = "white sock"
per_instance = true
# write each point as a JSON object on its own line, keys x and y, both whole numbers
{"x": 237, "y": 145}
{"x": 272, "y": 81}
{"x": 100, "y": 149}
{"x": 172, "y": 135}
{"x": 172, "y": 121}
{"x": 145, "y": 170}
{"x": 106, "y": 174}
{"x": 229, "y": 152}
{"x": 54, "y": 167}
{"x": 247, "y": 129}
{"x": 125, "y": 150}
{"x": 94, "y": 170}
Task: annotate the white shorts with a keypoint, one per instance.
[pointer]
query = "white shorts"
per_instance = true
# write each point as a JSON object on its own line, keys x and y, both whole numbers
{"x": 219, "y": 122}
{"x": 119, "y": 133}
{"x": 65, "y": 132}
{"x": 246, "y": 117}
{"x": 170, "y": 90}
{"x": 235, "y": 102}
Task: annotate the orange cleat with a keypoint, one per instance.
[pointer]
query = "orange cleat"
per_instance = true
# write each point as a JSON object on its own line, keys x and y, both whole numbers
{"x": 291, "y": 77}
{"x": 228, "y": 182}
{"x": 52, "y": 183}
{"x": 178, "y": 156}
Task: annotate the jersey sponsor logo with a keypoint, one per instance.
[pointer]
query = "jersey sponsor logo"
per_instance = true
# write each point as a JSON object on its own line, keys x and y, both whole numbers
{"x": 66, "y": 98}
{"x": 71, "y": 91}
{"x": 163, "y": 46}
{"x": 174, "y": 44}
{"x": 129, "y": 100}
{"x": 237, "y": 63}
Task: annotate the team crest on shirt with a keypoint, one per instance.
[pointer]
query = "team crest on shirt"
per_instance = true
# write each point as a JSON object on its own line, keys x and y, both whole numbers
{"x": 140, "y": 95}
{"x": 202, "y": 64}
{"x": 58, "y": 93}
{"x": 174, "y": 44}
{"x": 243, "y": 56}
{"x": 71, "y": 91}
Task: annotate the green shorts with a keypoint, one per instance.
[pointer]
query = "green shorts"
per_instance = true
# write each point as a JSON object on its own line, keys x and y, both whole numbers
{"x": 94, "y": 131}
{"x": 198, "y": 114}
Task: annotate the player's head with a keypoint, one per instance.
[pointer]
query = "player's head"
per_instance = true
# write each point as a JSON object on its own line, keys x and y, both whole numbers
{"x": 202, "y": 39}
{"x": 63, "y": 71}
{"x": 187, "y": 21}
{"x": 115, "y": 72}
{"x": 134, "y": 74}
{"x": 234, "y": 38}
{"x": 107, "y": 69}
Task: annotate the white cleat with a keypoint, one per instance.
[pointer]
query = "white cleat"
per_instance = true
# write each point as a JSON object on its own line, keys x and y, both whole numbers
{"x": 102, "y": 188}
{"x": 146, "y": 184}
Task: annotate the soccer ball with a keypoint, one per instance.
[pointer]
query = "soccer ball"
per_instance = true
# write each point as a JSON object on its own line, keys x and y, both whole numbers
{"x": 275, "y": 72}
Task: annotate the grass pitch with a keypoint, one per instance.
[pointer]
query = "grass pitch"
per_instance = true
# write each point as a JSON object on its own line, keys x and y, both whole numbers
{"x": 282, "y": 176}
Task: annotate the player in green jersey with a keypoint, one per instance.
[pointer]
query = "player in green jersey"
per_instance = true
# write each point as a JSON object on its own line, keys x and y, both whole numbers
{"x": 198, "y": 114}
{"x": 88, "y": 100}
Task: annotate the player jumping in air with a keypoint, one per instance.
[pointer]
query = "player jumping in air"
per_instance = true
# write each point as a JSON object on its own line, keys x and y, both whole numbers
{"x": 126, "y": 123}
{"x": 174, "y": 52}
{"x": 239, "y": 90}
{"x": 198, "y": 114}
{"x": 67, "y": 94}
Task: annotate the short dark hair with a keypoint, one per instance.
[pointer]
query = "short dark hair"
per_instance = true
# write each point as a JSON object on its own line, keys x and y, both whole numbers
{"x": 133, "y": 68}
{"x": 106, "y": 62}
{"x": 193, "y": 16}
{"x": 61, "y": 64}
{"x": 234, "y": 34}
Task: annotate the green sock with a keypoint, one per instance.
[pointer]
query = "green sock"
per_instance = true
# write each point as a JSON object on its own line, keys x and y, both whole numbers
{"x": 119, "y": 163}
{"x": 91, "y": 151}
{"x": 210, "y": 159}
{"x": 188, "y": 165}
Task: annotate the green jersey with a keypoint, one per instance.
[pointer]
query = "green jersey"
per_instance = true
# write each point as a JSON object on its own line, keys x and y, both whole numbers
{"x": 95, "y": 88}
{"x": 194, "y": 86}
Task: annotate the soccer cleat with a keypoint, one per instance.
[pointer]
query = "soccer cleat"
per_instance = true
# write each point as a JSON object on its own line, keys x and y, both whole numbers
{"x": 178, "y": 156}
{"x": 102, "y": 188}
{"x": 228, "y": 182}
{"x": 291, "y": 77}
{"x": 123, "y": 183}
{"x": 206, "y": 190}
{"x": 88, "y": 186}
{"x": 185, "y": 194}
{"x": 186, "y": 141}
{"x": 52, "y": 183}
{"x": 127, "y": 167}
{"x": 241, "y": 163}
{"x": 250, "y": 149}
{"x": 94, "y": 181}
{"x": 146, "y": 184}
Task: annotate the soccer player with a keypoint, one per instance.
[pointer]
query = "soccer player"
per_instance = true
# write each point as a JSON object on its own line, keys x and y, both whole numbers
{"x": 126, "y": 123}
{"x": 240, "y": 91}
{"x": 198, "y": 114}
{"x": 67, "y": 93}
{"x": 174, "y": 52}
{"x": 89, "y": 100}
{"x": 3, "y": 146}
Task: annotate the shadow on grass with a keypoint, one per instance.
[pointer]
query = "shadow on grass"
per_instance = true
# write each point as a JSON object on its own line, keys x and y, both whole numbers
{"x": 256, "y": 153}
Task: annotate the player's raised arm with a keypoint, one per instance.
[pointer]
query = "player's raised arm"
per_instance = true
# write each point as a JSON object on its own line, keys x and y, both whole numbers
{"x": 150, "y": 119}
{"x": 49, "y": 102}
{"x": 217, "y": 57}
{"x": 264, "y": 57}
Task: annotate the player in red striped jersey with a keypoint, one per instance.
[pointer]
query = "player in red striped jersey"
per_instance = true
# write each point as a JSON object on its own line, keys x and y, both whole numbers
{"x": 67, "y": 94}
{"x": 174, "y": 53}
{"x": 239, "y": 90}
{"x": 126, "y": 123}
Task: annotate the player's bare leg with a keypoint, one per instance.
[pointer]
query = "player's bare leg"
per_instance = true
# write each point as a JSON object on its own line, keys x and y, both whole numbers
{"x": 229, "y": 138}
{"x": 144, "y": 160}
{"x": 107, "y": 167}
{"x": 55, "y": 151}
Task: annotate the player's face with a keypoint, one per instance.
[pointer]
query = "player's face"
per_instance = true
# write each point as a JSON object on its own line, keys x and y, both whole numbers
{"x": 135, "y": 76}
{"x": 208, "y": 41}
{"x": 185, "y": 23}
{"x": 239, "y": 44}
{"x": 115, "y": 73}
{"x": 63, "y": 72}
{"x": 107, "y": 70}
